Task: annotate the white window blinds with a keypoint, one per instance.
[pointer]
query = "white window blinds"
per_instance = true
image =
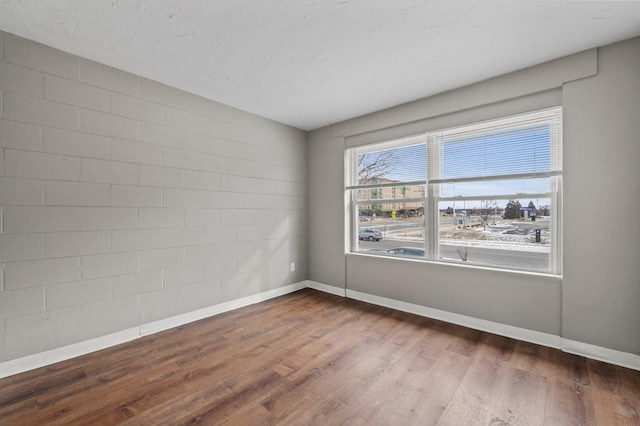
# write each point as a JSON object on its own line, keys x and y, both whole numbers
{"x": 523, "y": 146}
{"x": 401, "y": 161}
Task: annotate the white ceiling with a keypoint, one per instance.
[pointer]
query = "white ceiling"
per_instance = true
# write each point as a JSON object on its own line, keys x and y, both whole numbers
{"x": 309, "y": 63}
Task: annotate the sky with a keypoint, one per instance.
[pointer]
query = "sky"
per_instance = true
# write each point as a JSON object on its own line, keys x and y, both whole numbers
{"x": 521, "y": 150}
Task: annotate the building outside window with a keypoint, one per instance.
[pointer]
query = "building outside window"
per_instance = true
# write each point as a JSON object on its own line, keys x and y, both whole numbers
{"x": 484, "y": 194}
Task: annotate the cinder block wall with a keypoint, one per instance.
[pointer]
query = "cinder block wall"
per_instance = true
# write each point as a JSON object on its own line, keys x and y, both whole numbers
{"x": 124, "y": 202}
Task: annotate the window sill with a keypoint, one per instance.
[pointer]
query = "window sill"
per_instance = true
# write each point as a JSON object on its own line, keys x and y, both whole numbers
{"x": 455, "y": 264}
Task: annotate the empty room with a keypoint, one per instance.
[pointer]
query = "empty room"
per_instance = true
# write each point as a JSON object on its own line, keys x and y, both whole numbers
{"x": 319, "y": 212}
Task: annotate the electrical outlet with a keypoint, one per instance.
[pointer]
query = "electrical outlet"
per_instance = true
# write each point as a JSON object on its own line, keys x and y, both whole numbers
{"x": 293, "y": 266}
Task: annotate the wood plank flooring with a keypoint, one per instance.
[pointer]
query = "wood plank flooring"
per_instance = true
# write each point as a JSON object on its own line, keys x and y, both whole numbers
{"x": 313, "y": 358}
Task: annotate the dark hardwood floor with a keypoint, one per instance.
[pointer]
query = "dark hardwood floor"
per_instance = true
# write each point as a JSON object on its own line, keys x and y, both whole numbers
{"x": 313, "y": 358}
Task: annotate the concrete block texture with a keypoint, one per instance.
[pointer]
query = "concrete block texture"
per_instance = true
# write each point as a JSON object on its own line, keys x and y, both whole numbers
{"x": 77, "y": 293}
{"x": 161, "y": 217}
{"x": 77, "y": 144}
{"x": 15, "y": 247}
{"x": 124, "y": 201}
{"x": 25, "y": 109}
{"x": 136, "y": 239}
{"x": 21, "y": 192}
{"x": 134, "y": 284}
{"x": 16, "y": 303}
{"x": 104, "y": 171}
{"x": 98, "y": 218}
{"x": 18, "y": 135}
{"x": 161, "y": 177}
{"x": 29, "y": 219}
{"x": 76, "y": 193}
{"x": 39, "y": 273}
{"x": 182, "y": 275}
{"x": 203, "y": 254}
{"x": 136, "y": 196}
{"x": 65, "y": 244}
{"x": 161, "y": 258}
{"x": 201, "y": 180}
{"x": 37, "y": 165}
{"x": 74, "y": 93}
{"x": 22, "y": 80}
{"x": 38, "y": 57}
{"x": 106, "y": 77}
{"x": 135, "y": 152}
{"x": 109, "y": 265}
{"x": 100, "y": 123}
{"x": 129, "y": 106}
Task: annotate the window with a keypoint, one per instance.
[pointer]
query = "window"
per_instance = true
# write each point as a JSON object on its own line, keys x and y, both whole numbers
{"x": 481, "y": 194}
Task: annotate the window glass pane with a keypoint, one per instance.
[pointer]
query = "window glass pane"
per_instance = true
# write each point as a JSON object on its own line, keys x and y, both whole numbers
{"x": 391, "y": 192}
{"x": 503, "y": 233}
{"x": 495, "y": 187}
{"x": 390, "y": 227}
{"x": 511, "y": 151}
{"x": 518, "y": 150}
{"x": 402, "y": 164}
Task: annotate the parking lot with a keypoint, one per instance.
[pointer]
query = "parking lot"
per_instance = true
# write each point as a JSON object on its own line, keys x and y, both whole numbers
{"x": 510, "y": 243}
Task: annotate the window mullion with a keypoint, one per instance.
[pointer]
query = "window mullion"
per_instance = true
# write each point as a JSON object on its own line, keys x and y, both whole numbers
{"x": 555, "y": 255}
{"x": 431, "y": 223}
{"x": 494, "y": 166}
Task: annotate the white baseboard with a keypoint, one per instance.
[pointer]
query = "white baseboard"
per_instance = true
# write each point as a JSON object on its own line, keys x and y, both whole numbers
{"x": 338, "y": 291}
{"x": 623, "y": 359}
{"x": 518, "y": 333}
{"x": 165, "y": 324}
{"x": 31, "y": 362}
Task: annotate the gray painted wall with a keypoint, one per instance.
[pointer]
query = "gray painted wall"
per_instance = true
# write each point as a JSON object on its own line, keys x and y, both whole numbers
{"x": 125, "y": 202}
{"x": 601, "y": 286}
{"x": 597, "y": 300}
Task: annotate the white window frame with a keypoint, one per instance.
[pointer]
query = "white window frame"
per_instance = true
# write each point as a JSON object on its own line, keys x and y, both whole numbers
{"x": 432, "y": 192}
{"x": 353, "y": 186}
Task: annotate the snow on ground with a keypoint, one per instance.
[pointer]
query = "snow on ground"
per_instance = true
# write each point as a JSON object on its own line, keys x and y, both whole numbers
{"x": 502, "y": 245}
{"x": 481, "y": 239}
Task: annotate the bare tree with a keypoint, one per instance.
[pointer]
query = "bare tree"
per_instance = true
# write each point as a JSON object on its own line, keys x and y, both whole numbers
{"x": 486, "y": 207}
{"x": 463, "y": 253}
{"x": 375, "y": 165}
